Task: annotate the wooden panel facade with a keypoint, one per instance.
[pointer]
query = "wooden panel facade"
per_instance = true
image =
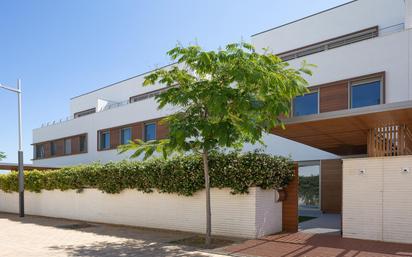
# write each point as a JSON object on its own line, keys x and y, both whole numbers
{"x": 290, "y": 219}
{"x": 137, "y": 130}
{"x": 334, "y": 97}
{"x": 331, "y": 186}
{"x": 59, "y": 147}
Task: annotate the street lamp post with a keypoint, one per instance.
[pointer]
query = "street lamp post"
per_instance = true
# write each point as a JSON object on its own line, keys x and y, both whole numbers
{"x": 20, "y": 152}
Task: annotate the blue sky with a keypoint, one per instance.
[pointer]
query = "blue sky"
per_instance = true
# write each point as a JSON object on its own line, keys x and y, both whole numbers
{"x": 61, "y": 49}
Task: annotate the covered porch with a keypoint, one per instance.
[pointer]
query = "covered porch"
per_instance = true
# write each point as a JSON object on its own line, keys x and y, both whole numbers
{"x": 379, "y": 130}
{"x": 373, "y": 131}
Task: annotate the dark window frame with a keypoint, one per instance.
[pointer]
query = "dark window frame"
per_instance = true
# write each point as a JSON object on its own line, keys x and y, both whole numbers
{"x": 145, "y": 133}
{"x": 84, "y": 113}
{"x": 106, "y": 146}
{"x": 84, "y": 150}
{"x": 314, "y": 91}
{"x": 40, "y": 152}
{"x": 65, "y": 145}
{"x": 360, "y": 82}
{"x": 121, "y": 135}
{"x": 141, "y": 97}
{"x": 332, "y": 43}
{"x": 53, "y": 148}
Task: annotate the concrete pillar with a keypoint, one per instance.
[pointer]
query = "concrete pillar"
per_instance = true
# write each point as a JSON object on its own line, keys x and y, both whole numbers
{"x": 408, "y": 14}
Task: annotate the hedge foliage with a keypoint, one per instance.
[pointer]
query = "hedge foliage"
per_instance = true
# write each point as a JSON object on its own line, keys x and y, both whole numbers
{"x": 182, "y": 175}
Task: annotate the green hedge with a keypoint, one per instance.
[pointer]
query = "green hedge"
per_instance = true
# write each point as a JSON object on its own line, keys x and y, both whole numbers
{"x": 182, "y": 175}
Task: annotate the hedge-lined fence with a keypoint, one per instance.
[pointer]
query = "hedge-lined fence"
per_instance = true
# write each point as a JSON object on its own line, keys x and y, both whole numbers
{"x": 182, "y": 175}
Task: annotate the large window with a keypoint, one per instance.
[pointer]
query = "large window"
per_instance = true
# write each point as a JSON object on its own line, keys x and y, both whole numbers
{"x": 53, "y": 148}
{"x": 365, "y": 93}
{"x": 39, "y": 150}
{"x": 125, "y": 135}
{"x": 104, "y": 140}
{"x": 83, "y": 143}
{"x": 68, "y": 146}
{"x": 150, "y": 131}
{"x": 306, "y": 104}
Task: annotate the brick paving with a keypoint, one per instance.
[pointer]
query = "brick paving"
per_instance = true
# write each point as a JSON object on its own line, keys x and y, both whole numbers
{"x": 38, "y": 236}
{"x": 316, "y": 245}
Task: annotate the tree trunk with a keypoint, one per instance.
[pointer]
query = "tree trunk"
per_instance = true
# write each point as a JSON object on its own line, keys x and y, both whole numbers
{"x": 208, "y": 238}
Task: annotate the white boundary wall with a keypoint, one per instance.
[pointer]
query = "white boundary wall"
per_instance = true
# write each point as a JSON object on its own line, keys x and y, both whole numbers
{"x": 250, "y": 215}
{"x": 377, "y": 204}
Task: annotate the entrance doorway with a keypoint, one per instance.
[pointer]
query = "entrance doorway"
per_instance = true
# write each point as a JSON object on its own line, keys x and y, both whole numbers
{"x": 319, "y": 203}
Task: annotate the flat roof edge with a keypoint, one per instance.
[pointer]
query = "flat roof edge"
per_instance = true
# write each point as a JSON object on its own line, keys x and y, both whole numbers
{"x": 112, "y": 84}
{"x": 304, "y": 18}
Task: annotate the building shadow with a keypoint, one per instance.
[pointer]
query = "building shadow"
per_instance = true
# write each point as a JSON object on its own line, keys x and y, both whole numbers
{"x": 127, "y": 248}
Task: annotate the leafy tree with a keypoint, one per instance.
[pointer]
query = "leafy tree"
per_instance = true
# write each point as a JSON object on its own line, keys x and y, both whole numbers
{"x": 2, "y": 156}
{"x": 224, "y": 99}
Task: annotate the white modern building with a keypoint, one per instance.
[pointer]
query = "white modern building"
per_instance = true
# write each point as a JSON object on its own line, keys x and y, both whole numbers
{"x": 358, "y": 43}
{"x": 358, "y": 112}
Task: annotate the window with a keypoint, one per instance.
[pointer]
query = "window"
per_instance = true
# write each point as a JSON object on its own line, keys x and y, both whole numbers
{"x": 330, "y": 44}
{"x": 150, "y": 132}
{"x": 144, "y": 96}
{"x": 104, "y": 140}
{"x": 68, "y": 146}
{"x": 53, "y": 148}
{"x": 306, "y": 104}
{"x": 39, "y": 150}
{"x": 83, "y": 144}
{"x": 84, "y": 113}
{"x": 125, "y": 135}
{"x": 366, "y": 93}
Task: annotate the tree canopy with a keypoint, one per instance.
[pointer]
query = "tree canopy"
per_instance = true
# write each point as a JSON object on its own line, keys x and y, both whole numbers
{"x": 225, "y": 98}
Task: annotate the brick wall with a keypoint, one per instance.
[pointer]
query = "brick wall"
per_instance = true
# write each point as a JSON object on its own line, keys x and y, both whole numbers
{"x": 377, "y": 204}
{"x": 248, "y": 215}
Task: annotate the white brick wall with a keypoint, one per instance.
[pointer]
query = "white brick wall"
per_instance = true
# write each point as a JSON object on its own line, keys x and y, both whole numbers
{"x": 249, "y": 216}
{"x": 377, "y": 205}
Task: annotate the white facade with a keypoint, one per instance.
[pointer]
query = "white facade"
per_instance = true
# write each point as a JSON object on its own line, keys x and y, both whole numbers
{"x": 377, "y": 202}
{"x": 390, "y": 52}
{"x": 249, "y": 216}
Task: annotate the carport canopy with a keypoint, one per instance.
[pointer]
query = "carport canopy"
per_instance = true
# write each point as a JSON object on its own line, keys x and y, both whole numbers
{"x": 344, "y": 132}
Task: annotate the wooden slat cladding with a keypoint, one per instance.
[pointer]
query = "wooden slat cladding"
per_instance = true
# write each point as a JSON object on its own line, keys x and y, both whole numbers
{"x": 334, "y": 97}
{"x": 75, "y": 141}
{"x": 137, "y": 131}
{"x": 389, "y": 140}
{"x": 331, "y": 186}
{"x": 59, "y": 146}
{"x": 290, "y": 220}
{"x": 162, "y": 130}
{"x": 137, "y": 128}
{"x": 114, "y": 137}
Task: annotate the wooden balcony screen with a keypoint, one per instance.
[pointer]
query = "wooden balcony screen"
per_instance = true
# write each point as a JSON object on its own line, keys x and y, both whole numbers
{"x": 389, "y": 140}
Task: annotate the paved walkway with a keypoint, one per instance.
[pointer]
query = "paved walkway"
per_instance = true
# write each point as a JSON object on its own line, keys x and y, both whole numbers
{"x": 317, "y": 245}
{"x": 40, "y": 237}
{"x": 323, "y": 224}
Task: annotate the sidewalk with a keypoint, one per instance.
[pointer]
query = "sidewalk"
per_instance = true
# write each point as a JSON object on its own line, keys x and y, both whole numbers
{"x": 38, "y": 237}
